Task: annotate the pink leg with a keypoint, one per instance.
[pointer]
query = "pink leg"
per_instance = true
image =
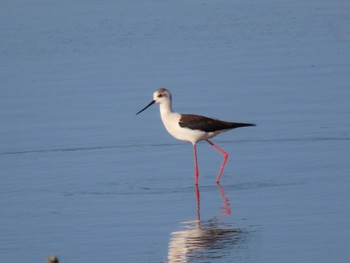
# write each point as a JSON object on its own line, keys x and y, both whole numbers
{"x": 223, "y": 163}
{"x": 196, "y": 173}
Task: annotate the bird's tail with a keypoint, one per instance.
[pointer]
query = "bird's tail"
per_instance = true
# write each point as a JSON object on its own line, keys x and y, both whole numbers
{"x": 241, "y": 124}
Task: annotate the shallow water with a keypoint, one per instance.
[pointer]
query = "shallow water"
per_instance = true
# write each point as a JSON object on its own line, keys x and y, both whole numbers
{"x": 84, "y": 178}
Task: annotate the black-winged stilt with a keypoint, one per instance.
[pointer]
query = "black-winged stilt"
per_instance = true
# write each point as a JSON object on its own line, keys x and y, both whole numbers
{"x": 192, "y": 128}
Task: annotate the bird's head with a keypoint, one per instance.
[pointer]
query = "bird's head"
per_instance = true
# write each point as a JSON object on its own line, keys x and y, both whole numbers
{"x": 160, "y": 96}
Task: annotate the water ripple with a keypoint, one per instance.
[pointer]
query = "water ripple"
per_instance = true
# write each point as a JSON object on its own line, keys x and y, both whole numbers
{"x": 106, "y": 147}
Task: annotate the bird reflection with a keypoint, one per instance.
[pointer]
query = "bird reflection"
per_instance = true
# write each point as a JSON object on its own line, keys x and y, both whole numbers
{"x": 204, "y": 240}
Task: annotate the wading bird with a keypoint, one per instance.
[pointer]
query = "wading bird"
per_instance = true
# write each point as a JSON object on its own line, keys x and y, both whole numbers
{"x": 191, "y": 128}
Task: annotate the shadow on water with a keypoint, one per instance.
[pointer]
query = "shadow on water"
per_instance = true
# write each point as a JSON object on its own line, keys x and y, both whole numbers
{"x": 205, "y": 240}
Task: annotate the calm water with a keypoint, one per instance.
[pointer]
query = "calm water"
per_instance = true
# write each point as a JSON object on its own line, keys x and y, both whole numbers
{"x": 84, "y": 178}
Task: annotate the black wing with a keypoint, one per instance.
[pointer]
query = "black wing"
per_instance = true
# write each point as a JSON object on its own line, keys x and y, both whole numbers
{"x": 197, "y": 122}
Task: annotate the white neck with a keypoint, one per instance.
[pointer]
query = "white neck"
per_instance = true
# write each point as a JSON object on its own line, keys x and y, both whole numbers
{"x": 165, "y": 108}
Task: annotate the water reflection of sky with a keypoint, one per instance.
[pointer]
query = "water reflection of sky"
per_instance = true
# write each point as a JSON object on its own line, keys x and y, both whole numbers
{"x": 202, "y": 240}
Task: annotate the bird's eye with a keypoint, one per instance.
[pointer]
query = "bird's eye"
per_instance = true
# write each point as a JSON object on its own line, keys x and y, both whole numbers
{"x": 160, "y": 95}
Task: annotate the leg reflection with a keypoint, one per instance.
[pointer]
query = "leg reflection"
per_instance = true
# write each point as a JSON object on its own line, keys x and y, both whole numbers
{"x": 198, "y": 200}
{"x": 226, "y": 208}
{"x": 204, "y": 239}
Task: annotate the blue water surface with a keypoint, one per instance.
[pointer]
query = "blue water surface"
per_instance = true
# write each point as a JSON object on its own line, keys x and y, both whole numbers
{"x": 86, "y": 179}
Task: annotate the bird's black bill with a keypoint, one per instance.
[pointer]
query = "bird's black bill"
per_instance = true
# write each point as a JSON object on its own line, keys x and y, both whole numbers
{"x": 151, "y": 103}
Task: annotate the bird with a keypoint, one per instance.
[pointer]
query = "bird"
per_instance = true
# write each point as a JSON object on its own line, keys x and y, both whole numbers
{"x": 191, "y": 127}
